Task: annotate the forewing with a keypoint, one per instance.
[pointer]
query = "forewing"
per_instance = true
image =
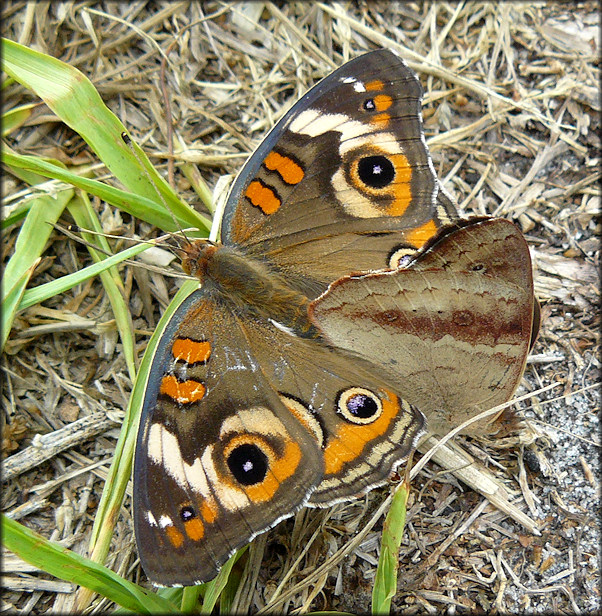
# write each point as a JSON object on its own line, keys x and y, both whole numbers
{"x": 344, "y": 179}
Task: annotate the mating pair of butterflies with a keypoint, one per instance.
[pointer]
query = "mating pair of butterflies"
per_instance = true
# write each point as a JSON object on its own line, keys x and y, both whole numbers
{"x": 344, "y": 305}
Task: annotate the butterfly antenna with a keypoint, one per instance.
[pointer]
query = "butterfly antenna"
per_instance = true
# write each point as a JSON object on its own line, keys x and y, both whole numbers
{"x": 128, "y": 142}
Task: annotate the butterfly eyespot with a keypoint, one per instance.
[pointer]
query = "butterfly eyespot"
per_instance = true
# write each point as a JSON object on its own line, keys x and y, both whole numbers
{"x": 380, "y": 102}
{"x": 248, "y": 463}
{"x": 187, "y": 513}
{"x": 400, "y": 256}
{"x": 359, "y": 405}
{"x": 376, "y": 171}
{"x": 369, "y": 105}
{"x": 391, "y": 316}
{"x": 479, "y": 267}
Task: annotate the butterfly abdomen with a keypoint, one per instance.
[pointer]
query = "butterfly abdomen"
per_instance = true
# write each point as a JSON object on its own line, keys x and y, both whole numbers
{"x": 248, "y": 285}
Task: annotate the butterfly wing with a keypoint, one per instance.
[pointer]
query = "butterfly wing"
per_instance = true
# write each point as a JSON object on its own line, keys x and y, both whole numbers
{"x": 219, "y": 457}
{"x": 344, "y": 180}
{"x": 243, "y": 423}
{"x": 452, "y": 329}
{"x": 365, "y": 428}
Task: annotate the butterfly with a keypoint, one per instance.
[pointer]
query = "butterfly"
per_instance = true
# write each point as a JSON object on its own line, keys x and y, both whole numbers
{"x": 255, "y": 405}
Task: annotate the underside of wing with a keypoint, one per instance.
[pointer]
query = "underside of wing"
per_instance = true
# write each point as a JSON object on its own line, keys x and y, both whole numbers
{"x": 452, "y": 330}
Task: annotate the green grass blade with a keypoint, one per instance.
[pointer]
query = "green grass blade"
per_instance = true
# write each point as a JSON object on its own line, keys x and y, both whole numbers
{"x": 71, "y": 95}
{"x": 11, "y": 299}
{"x": 69, "y": 566}
{"x": 191, "y": 596}
{"x": 34, "y": 233}
{"x": 11, "y": 215}
{"x": 140, "y": 207}
{"x": 14, "y": 118}
{"x": 60, "y": 285}
{"x": 385, "y": 582}
{"x": 215, "y": 586}
{"x": 85, "y": 217}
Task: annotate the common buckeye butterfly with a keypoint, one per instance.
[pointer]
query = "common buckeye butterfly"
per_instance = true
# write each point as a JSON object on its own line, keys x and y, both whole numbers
{"x": 255, "y": 405}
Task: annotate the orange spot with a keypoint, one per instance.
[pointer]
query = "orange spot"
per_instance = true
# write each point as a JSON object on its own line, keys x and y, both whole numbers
{"x": 176, "y": 538}
{"x": 420, "y": 235}
{"x": 185, "y": 392}
{"x": 262, "y": 197}
{"x": 209, "y": 511}
{"x": 279, "y": 471}
{"x": 350, "y": 440}
{"x": 191, "y": 351}
{"x": 194, "y": 529}
{"x": 382, "y": 102}
{"x": 288, "y": 169}
{"x": 377, "y": 84}
{"x": 381, "y": 118}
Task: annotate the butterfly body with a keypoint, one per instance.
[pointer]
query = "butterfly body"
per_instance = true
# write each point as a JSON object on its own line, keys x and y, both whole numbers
{"x": 257, "y": 403}
{"x": 247, "y": 285}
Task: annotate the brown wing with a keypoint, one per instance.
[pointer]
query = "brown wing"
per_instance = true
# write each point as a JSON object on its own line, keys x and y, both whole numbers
{"x": 243, "y": 423}
{"x": 343, "y": 179}
{"x": 366, "y": 427}
{"x": 219, "y": 457}
{"x": 452, "y": 330}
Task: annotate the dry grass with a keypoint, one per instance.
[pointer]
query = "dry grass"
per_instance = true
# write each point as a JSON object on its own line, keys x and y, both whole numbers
{"x": 512, "y": 110}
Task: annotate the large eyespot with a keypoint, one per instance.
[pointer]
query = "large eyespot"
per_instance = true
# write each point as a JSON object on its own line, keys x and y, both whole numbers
{"x": 359, "y": 406}
{"x": 375, "y": 171}
{"x": 248, "y": 463}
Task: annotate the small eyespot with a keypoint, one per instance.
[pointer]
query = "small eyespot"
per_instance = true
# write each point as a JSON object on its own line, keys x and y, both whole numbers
{"x": 478, "y": 267}
{"x": 187, "y": 513}
{"x": 248, "y": 463}
{"x": 400, "y": 257}
{"x": 369, "y": 105}
{"x": 463, "y": 318}
{"x": 376, "y": 171}
{"x": 359, "y": 405}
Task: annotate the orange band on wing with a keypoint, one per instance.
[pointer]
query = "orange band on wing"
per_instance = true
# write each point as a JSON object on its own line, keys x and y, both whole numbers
{"x": 420, "y": 235}
{"x": 349, "y": 441}
{"x": 191, "y": 351}
{"x": 382, "y": 119}
{"x": 382, "y": 102}
{"x": 183, "y": 392}
{"x": 209, "y": 511}
{"x": 262, "y": 197}
{"x": 176, "y": 538}
{"x": 401, "y": 189}
{"x": 288, "y": 169}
